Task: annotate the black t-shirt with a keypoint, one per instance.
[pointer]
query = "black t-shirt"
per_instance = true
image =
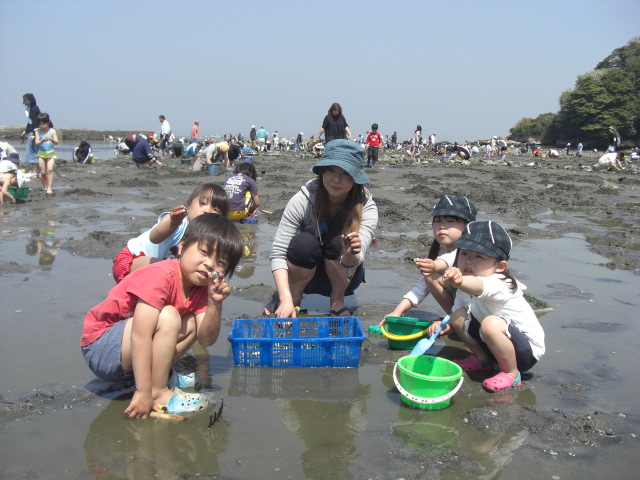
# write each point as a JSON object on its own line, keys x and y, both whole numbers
{"x": 334, "y": 127}
{"x": 34, "y": 111}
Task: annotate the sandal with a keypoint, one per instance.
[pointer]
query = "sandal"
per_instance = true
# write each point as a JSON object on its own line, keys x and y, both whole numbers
{"x": 271, "y": 307}
{"x": 474, "y": 364}
{"x": 501, "y": 382}
{"x": 340, "y": 313}
{"x": 182, "y": 402}
{"x": 182, "y": 380}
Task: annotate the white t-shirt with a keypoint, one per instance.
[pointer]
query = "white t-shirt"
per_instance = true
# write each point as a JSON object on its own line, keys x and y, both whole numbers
{"x": 7, "y": 166}
{"x": 608, "y": 159}
{"x": 166, "y": 128}
{"x": 143, "y": 243}
{"x": 497, "y": 299}
{"x": 6, "y": 149}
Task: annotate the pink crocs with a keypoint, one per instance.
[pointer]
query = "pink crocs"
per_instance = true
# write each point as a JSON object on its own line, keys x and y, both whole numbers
{"x": 474, "y": 364}
{"x": 501, "y": 382}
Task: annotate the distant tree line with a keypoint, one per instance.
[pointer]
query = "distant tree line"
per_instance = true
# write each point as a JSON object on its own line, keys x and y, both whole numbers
{"x": 607, "y": 96}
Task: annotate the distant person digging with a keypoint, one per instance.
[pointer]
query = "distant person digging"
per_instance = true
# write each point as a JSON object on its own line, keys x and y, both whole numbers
{"x": 141, "y": 151}
{"x": 464, "y": 153}
{"x": 220, "y": 152}
{"x": 611, "y": 161}
{"x": 82, "y": 153}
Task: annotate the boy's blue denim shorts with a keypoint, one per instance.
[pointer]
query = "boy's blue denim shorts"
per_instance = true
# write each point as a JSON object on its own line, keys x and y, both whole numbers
{"x": 103, "y": 355}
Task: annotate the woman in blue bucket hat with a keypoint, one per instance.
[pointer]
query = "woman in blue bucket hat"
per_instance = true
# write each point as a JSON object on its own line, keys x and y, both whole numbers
{"x": 324, "y": 233}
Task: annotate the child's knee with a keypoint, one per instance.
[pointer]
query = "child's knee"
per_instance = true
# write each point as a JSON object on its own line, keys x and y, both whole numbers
{"x": 493, "y": 324}
{"x": 189, "y": 327}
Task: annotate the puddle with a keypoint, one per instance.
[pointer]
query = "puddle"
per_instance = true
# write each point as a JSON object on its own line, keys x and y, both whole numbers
{"x": 301, "y": 423}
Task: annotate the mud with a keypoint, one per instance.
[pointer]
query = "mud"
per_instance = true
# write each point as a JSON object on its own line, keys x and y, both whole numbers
{"x": 98, "y": 206}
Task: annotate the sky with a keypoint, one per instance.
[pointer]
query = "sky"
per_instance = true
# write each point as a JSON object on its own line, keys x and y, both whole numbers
{"x": 464, "y": 69}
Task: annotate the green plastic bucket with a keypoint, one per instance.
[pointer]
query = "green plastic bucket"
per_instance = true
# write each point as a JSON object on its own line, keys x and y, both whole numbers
{"x": 427, "y": 382}
{"x": 405, "y": 326}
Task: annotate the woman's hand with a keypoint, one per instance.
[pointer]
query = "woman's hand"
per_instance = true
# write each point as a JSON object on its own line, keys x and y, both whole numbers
{"x": 352, "y": 243}
{"x": 286, "y": 310}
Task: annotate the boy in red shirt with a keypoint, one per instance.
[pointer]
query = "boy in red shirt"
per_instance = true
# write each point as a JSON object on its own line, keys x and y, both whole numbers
{"x": 373, "y": 142}
{"x": 156, "y": 313}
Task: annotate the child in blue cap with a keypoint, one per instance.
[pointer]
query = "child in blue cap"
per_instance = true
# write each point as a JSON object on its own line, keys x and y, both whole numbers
{"x": 499, "y": 326}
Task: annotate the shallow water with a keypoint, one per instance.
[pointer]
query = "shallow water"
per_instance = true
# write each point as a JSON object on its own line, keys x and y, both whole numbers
{"x": 64, "y": 150}
{"x": 301, "y": 423}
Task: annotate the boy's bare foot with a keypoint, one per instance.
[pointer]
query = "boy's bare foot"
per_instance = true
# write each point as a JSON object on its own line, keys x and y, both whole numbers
{"x": 164, "y": 397}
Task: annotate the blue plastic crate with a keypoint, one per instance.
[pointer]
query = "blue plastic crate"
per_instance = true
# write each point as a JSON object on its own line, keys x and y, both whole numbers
{"x": 299, "y": 342}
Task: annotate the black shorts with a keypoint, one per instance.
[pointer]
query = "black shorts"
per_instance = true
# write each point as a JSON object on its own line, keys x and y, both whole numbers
{"x": 305, "y": 251}
{"x": 524, "y": 354}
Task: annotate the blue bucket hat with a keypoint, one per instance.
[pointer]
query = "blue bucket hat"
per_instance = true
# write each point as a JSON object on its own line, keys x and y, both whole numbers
{"x": 455, "y": 206}
{"x": 487, "y": 238}
{"x": 347, "y": 155}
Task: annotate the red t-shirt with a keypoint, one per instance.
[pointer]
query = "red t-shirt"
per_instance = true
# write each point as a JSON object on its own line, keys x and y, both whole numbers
{"x": 374, "y": 139}
{"x": 158, "y": 284}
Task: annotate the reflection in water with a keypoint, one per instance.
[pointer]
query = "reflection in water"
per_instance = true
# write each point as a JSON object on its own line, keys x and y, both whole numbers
{"x": 154, "y": 448}
{"x": 117, "y": 447}
{"x": 325, "y": 409}
{"x": 44, "y": 243}
{"x": 247, "y": 265}
{"x": 328, "y": 429}
{"x": 447, "y": 428}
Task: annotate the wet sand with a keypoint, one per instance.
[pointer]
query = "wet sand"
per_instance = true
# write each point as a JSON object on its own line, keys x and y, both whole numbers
{"x": 97, "y": 208}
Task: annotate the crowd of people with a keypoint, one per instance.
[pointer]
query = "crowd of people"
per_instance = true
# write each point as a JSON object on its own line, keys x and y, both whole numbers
{"x": 172, "y": 279}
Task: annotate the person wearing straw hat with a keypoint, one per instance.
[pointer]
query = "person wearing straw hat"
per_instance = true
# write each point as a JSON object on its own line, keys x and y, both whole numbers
{"x": 324, "y": 233}
{"x": 215, "y": 152}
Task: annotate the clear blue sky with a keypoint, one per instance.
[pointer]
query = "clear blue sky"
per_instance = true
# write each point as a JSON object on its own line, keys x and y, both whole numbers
{"x": 464, "y": 69}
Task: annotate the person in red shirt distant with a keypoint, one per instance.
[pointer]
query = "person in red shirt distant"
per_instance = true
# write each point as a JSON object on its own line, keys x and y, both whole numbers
{"x": 373, "y": 142}
{"x": 194, "y": 130}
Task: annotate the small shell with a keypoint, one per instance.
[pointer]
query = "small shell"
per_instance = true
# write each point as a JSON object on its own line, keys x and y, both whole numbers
{"x": 215, "y": 274}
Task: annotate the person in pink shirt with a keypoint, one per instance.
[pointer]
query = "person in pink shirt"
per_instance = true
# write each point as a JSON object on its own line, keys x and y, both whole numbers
{"x": 194, "y": 130}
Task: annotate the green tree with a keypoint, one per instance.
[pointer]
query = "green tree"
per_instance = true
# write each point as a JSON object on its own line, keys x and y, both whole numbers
{"x": 531, "y": 128}
{"x": 608, "y": 95}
